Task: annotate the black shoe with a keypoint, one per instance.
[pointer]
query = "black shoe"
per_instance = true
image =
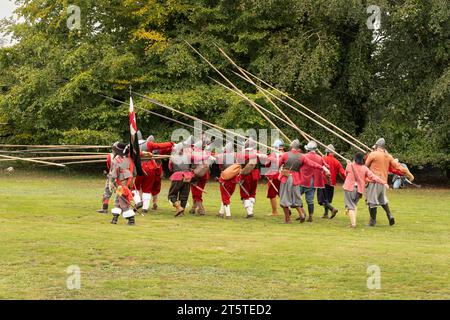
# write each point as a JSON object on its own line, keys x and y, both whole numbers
{"x": 310, "y": 218}
{"x": 114, "y": 219}
{"x": 144, "y": 211}
{"x": 334, "y": 213}
{"x": 179, "y": 214}
{"x": 325, "y": 216}
{"x": 131, "y": 221}
{"x": 391, "y": 221}
{"x": 138, "y": 205}
{"x": 372, "y": 222}
{"x": 102, "y": 211}
{"x": 155, "y": 207}
{"x": 249, "y": 216}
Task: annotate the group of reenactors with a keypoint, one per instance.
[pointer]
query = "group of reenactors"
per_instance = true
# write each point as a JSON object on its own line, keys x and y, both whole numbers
{"x": 289, "y": 174}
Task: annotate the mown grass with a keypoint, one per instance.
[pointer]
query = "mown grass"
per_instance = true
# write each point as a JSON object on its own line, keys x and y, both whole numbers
{"x": 48, "y": 222}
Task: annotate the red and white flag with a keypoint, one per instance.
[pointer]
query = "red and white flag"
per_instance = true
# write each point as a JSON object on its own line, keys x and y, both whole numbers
{"x": 133, "y": 125}
{"x": 134, "y": 142}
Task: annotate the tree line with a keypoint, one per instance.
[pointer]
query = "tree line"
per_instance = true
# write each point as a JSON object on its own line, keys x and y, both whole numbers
{"x": 392, "y": 82}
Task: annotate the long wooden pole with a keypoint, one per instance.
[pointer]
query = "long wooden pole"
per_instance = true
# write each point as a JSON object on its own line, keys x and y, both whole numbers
{"x": 307, "y": 116}
{"x": 32, "y": 160}
{"x": 71, "y": 146}
{"x": 278, "y": 117}
{"x": 265, "y": 95}
{"x": 209, "y": 124}
{"x": 64, "y": 158}
{"x": 160, "y": 115}
{"x": 304, "y": 107}
{"x": 85, "y": 161}
{"x": 236, "y": 88}
{"x": 53, "y": 152}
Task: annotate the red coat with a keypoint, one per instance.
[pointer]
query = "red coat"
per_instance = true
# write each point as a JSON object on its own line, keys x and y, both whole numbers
{"x": 163, "y": 147}
{"x": 296, "y": 175}
{"x": 108, "y": 161}
{"x": 308, "y": 172}
{"x": 271, "y": 163}
{"x": 335, "y": 168}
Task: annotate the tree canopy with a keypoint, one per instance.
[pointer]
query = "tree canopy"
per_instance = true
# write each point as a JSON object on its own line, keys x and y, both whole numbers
{"x": 393, "y": 83}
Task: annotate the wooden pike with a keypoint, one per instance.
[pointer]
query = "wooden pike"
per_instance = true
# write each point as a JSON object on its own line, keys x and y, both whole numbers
{"x": 54, "y": 152}
{"x": 309, "y": 117}
{"x": 209, "y": 124}
{"x": 159, "y": 115}
{"x": 279, "y": 118}
{"x": 265, "y": 95}
{"x": 72, "y": 146}
{"x": 32, "y": 160}
{"x": 85, "y": 161}
{"x": 237, "y": 89}
{"x": 302, "y": 106}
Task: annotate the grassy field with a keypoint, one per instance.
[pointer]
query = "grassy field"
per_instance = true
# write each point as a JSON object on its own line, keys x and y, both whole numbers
{"x": 48, "y": 222}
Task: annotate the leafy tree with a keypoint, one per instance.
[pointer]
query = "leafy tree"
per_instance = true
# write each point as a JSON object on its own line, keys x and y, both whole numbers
{"x": 320, "y": 51}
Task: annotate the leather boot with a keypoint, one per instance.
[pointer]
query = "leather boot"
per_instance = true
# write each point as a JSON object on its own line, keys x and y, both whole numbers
{"x": 310, "y": 212}
{"x": 373, "y": 217}
{"x": 334, "y": 212}
{"x": 389, "y": 214}
{"x": 131, "y": 221}
{"x": 115, "y": 218}
{"x": 325, "y": 214}
{"x": 104, "y": 208}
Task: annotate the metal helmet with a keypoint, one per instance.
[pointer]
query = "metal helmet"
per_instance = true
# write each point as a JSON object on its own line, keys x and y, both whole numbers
{"x": 329, "y": 149}
{"x": 380, "y": 143}
{"x": 311, "y": 146}
{"x": 295, "y": 144}
{"x": 278, "y": 144}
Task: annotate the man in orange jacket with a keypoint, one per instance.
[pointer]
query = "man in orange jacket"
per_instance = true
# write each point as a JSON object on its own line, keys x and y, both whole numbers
{"x": 380, "y": 162}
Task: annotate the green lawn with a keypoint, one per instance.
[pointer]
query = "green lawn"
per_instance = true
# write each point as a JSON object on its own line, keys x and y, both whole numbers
{"x": 48, "y": 222}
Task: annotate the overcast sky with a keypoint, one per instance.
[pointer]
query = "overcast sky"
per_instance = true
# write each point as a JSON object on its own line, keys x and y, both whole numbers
{"x": 6, "y": 8}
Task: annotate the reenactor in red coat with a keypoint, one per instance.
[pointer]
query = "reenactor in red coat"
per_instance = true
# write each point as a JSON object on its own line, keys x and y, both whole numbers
{"x": 325, "y": 196}
{"x": 311, "y": 178}
{"x": 249, "y": 175}
{"x": 292, "y": 164}
{"x": 228, "y": 180}
{"x": 150, "y": 183}
{"x": 201, "y": 177}
{"x": 273, "y": 175}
